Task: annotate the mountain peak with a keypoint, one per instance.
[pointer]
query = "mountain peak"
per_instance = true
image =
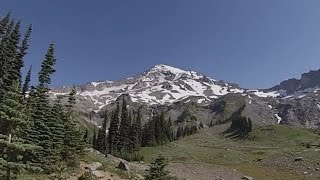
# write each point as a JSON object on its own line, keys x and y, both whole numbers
{"x": 163, "y": 67}
{"x": 161, "y": 84}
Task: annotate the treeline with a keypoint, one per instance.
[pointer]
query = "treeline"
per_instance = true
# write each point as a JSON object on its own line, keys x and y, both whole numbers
{"x": 126, "y": 135}
{"x": 35, "y": 134}
{"x": 186, "y": 131}
{"x": 242, "y": 125}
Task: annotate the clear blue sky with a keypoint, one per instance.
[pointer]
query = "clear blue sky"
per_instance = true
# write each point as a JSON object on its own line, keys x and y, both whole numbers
{"x": 255, "y": 43}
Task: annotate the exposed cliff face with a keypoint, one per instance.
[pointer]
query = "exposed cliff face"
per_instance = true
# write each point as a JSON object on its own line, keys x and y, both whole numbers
{"x": 290, "y": 86}
{"x": 302, "y": 112}
{"x": 307, "y": 81}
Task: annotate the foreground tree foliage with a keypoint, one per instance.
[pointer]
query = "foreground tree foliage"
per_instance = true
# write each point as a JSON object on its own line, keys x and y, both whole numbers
{"x": 12, "y": 147}
{"x": 35, "y": 134}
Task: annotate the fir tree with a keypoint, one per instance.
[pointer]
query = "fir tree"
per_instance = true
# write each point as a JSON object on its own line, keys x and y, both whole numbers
{"x": 3, "y": 25}
{"x": 40, "y": 133}
{"x": 86, "y": 136}
{"x": 163, "y": 133}
{"x": 144, "y": 135}
{"x": 186, "y": 131}
{"x": 193, "y": 130}
{"x": 94, "y": 139}
{"x": 22, "y": 51}
{"x": 13, "y": 149}
{"x": 169, "y": 130}
{"x": 11, "y": 54}
{"x": 249, "y": 125}
{"x": 157, "y": 170}
{"x": 47, "y": 68}
{"x": 150, "y": 134}
{"x": 26, "y": 85}
{"x": 7, "y": 32}
{"x": 136, "y": 133}
{"x": 56, "y": 127}
{"x": 102, "y": 136}
{"x": 73, "y": 144}
{"x": 9, "y": 72}
{"x": 113, "y": 135}
{"x": 124, "y": 128}
{"x": 180, "y": 132}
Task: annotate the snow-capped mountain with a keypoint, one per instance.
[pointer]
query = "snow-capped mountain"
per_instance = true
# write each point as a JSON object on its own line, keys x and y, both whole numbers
{"x": 161, "y": 84}
{"x": 167, "y": 87}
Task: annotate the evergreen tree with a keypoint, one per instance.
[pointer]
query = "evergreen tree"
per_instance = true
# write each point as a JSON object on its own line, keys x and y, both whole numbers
{"x": 124, "y": 128}
{"x": 22, "y": 51}
{"x": 94, "y": 139}
{"x": 249, "y": 125}
{"x": 73, "y": 144}
{"x": 91, "y": 115}
{"x": 102, "y": 136}
{"x": 157, "y": 129}
{"x": 136, "y": 133}
{"x": 113, "y": 135}
{"x": 180, "y": 132}
{"x": 14, "y": 65}
{"x": 30, "y": 109}
{"x": 47, "y": 68}
{"x": 7, "y": 32}
{"x": 150, "y": 134}
{"x": 157, "y": 170}
{"x": 55, "y": 124}
{"x": 144, "y": 135}
{"x": 193, "y": 130}
{"x": 13, "y": 148}
{"x": 26, "y": 85}
{"x": 41, "y": 130}
{"x": 130, "y": 146}
{"x": 186, "y": 131}
{"x": 160, "y": 129}
{"x": 86, "y": 136}
{"x": 164, "y": 128}
{"x": 3, "y": 25}
{"x": 169, "y": 130}
{"x": 9, "y": 73}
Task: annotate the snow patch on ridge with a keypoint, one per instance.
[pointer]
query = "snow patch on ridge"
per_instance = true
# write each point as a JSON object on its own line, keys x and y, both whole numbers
{"x": 265, "y": 94}
{"x": 279, "y": 118}
{"x": 95, "y": 84}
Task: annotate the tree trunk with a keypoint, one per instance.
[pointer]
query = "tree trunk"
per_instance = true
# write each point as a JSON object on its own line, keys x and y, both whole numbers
{"x": 8, "y": 174}
{"x": 8, "y": 168}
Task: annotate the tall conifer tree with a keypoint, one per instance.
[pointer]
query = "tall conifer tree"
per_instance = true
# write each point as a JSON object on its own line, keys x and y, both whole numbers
{"x": 124, "y": 128}
{"x": 26, "y": 84}
{"x": 113, "y": 135}
{"x": 102, "y": 136}
{"x": 41, "y": 131}
{"x": 73, "y": 144}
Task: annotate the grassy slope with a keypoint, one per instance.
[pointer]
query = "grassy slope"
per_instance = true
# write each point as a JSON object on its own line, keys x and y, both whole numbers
{"x": 265, "y": 143}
